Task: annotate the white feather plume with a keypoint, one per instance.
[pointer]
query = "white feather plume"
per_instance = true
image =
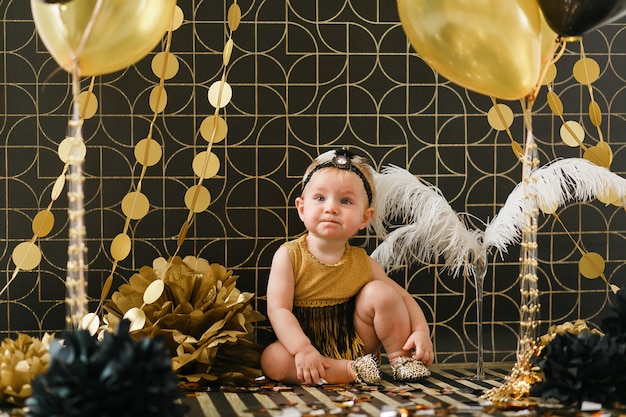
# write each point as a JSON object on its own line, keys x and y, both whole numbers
{"x": 431, "y": 228}
{"x": 554, "y": 185}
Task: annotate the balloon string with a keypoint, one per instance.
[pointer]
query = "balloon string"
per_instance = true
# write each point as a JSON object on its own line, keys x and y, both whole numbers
{"x": 50, "y": 204}
{"x": 516, "y": 381}
{"x": 76, "y": 266}
{"x": 88, "y": 28}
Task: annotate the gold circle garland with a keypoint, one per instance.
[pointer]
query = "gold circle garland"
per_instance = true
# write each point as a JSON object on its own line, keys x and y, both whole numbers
{"x": 205, "y": 165}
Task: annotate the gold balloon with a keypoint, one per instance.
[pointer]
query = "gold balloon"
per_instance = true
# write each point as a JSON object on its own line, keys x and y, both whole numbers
{"x": 101, "y": 36}
{"x": 492, "y": 47}
{"x": 549, "y": 40}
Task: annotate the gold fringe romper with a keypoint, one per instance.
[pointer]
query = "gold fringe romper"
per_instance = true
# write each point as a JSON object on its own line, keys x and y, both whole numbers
{"x": 324, "y": 298}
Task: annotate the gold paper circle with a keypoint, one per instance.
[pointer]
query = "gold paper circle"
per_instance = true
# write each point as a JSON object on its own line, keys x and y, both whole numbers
{"x": 171, "y": 68}
{"x": 586, "y": 71}
{"x": 607, "y": 149}
{"x": 550, "y": 74}
{"x": 154, "y": 291}
{"x": 214, "y": 94}
{"x": 574, "y": 136}
{"x": 43, "y": 223}
{"x": 555, "y": 103}
{"x": 497, "y": 122}
{"x": 26, "y": 256}
{"x": 137, "y": 318}
{"x": 88, "y": 104}
{"x": 91, "y": 322}
{"x": 213, "y": 122}
{"x": 135, "y": 205}
{"x": 601, "y": 154}
{"x": 65, "y": 147}
{"x": 182, "y": 235}
{"x": 228, "y": 50}
{"x": 234, "y": 16}
{"x": 158, "y": 99}
{"x": 154, "y": 152}
{"x": 608, "y": 196}
{"x": 203, "y": 198}
{"x": 211, "y": 168}
{"x": 591, "y": 265}
{"x": 595, "y": 115}
{"x": 106, "y": 287}
{"x": 120, "y": 247}
{"x": 517, "y": 150}
{"x": 178, "y": 18}
{"x": 59, "y": 184}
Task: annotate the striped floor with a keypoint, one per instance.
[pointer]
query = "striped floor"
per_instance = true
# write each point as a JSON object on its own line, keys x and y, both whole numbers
{"x": 448, "y": 391}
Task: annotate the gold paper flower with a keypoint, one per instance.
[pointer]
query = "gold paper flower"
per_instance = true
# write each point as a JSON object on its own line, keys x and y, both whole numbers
{"x": 207, "y": 323}
{"x": 22, "y": 360}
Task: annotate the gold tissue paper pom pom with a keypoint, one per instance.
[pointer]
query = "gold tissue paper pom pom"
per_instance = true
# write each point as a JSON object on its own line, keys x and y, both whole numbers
{"x": 571, "y": 327}
{"x": 22, "y": 360}
{"x": 206, "y": 322}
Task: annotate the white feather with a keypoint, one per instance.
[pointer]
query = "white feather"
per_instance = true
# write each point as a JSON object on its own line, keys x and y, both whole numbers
{"x": 555, "y": 185}
{"x": 430, "y": 228}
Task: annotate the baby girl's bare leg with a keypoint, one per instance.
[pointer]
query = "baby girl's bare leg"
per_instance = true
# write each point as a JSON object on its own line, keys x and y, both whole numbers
{"x": 381, "y": 317}
{"x": 278, "y": 364}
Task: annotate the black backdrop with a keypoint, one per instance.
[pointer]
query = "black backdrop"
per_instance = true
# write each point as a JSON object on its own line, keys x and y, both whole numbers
{"x": 306, "y": 77}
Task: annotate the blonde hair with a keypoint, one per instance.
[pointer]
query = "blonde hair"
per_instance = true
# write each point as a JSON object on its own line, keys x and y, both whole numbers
{"x": 343, "y": 160}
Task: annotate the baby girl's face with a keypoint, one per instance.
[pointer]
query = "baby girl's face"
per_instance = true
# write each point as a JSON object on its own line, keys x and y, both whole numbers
{"x": 334, "y": 204}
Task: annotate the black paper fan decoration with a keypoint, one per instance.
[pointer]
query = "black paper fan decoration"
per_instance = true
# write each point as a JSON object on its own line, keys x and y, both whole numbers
{"x": 583, "y": 367}
{"x": 615, "y": 322}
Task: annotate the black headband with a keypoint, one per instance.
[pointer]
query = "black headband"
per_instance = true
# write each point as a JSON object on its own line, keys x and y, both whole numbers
{"x": 342, "y": 160}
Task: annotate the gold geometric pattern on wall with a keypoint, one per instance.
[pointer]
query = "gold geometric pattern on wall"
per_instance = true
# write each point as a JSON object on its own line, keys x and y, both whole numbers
{"x": 305, "y": 77}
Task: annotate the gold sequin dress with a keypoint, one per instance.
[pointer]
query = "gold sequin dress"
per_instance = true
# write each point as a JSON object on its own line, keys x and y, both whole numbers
{"x": 324, "y": 298}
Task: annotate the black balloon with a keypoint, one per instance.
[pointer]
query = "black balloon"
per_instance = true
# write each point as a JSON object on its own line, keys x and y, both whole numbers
{"x": 576, "y": 17}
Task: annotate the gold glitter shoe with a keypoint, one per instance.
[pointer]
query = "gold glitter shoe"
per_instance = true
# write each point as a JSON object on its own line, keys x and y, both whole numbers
{"x": 366, "y": 369}
{"x": 407, "y": 369}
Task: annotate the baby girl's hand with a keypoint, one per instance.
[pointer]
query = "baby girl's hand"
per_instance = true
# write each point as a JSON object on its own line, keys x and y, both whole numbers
{"x": 310, "y": 365}
{"x": 423, "y": 346}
